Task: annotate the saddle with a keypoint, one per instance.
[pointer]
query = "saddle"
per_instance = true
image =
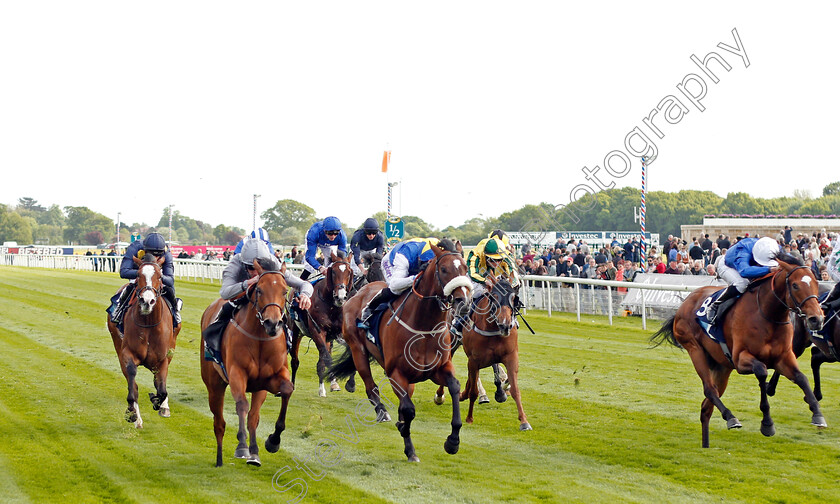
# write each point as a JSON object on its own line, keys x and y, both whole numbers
{"x": 715, "y": 331}
{"x": 372, "y": 333}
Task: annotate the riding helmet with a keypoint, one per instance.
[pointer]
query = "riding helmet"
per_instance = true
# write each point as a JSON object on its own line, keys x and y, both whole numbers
{"x": 154, "y": 243}
{"x": 260, "y": 233}
{"x": 765, "y": 251}
{"x": 332, "y": 224}
{"x": 371, "y": 226}
{"x": 254, "y": 248}
{"x": 493, "y": 248}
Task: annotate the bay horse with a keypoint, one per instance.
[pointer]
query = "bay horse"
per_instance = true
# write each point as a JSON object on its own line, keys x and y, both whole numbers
{"x": 322, "y": 322}
{"x": 823, "y": 350}
{"x": 758, "y": 331}
{"x": 255, "y": 356}
{"x": 415, "y": 340}
{"x": 148, "y": 338}
{"x": 492, "y": 338}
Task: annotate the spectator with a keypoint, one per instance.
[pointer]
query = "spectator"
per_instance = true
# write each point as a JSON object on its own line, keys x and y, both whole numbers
{"x": 696, "y": 251}
{"x": 682, "y": 270}
{"x": 711, "y": 271}
{"x": 672, "y": 268}
{"x": 697, "y": 269}
{"x": 706, "y": 245}
{"x": 682, "y": 255}
{"x": 629, "y": 271}
{"x": 609, "y": 271}
{"x": 788, "y": 234}
{"x": 629, "y": 249}
{"x": 552, "y": 267}
{"x": 715, "y": 253}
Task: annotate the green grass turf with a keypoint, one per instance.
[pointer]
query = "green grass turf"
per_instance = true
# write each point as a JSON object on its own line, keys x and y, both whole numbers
{"x": 614, "y": 421}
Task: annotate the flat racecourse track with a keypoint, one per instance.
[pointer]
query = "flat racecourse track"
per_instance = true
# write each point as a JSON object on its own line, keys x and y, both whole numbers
{"x": 614, "y": 421}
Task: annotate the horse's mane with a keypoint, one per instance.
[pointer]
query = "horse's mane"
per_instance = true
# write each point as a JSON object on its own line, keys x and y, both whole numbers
{"x": 789, "y": 259}
{"x": 267, "y": 264}
{"x": 340, "y": 254}
{"x": 149, "y": 259}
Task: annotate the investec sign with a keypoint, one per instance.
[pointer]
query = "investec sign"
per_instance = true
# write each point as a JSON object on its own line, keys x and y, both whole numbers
{"x": 545, "y": 238}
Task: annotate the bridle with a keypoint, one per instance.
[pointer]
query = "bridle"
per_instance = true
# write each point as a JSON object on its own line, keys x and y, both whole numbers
{"x": 444, "y": 302}
{"x": 139, "y": 295}
{"x": 329, "y": 275}
{"x": 255, "y": 301}
{"x": 797, "y": 308}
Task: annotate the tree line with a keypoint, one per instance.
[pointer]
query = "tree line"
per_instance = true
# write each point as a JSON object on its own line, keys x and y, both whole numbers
{"x": 288, "y": 220}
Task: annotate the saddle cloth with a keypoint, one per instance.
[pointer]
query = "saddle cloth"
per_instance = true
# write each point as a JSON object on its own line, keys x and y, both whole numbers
{"x": 713, "y": 331}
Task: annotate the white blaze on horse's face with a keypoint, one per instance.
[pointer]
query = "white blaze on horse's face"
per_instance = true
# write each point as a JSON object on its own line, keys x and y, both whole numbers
{"x": 342, "y": 267}
{"x": 807, "y": 280}
{"x": 147, "y": 298}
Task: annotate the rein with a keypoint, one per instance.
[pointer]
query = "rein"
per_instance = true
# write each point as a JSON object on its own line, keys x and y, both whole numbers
{"x": 445, "y": 302}
{"x": 254, "y": 302}
{"x": 137, "y": 295}
{"x": 797, "y": 309}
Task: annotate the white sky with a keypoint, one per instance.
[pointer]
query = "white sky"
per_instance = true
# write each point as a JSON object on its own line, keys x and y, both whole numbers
{"x": 487, "y": 106}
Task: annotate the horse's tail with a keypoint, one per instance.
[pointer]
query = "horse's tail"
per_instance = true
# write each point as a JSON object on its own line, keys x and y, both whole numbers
{"x": 343, "y": 367}
{"x": 665, "y": 334}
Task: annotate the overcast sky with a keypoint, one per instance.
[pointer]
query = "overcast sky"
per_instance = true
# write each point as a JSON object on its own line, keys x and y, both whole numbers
{"x": 486, "y": 106}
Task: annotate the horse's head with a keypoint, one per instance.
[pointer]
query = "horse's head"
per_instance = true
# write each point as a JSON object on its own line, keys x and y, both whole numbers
{"x": 268, "y": 296}
{"x": 502, "y": 305}
{"x": 802, "y": 290}
{"x": 452, "y": 284}
{"x": 340, "y": 277}
{"x": 373, "y": 264}
{"x": 149, "y": 282}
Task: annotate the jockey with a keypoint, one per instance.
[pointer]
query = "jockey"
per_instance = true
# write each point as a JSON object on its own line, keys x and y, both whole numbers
{"x": 489, "y": 256}
{"x": 322, "y": 235}
{"x": 833, "y": 300}
{"x": 237, "y": 277}
{"x": 153, "y": 244}
{"x": 260, "y": 233}
{"x": 401, "y": 267}
{"x": 365, "y": 241}
{"x": 748, "y": 259}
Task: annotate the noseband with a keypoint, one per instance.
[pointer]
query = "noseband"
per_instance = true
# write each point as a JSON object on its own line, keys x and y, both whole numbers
{"x": 797, "y": 308}
{"x": 255, "y": 302}
{"x": 444, "y": 302}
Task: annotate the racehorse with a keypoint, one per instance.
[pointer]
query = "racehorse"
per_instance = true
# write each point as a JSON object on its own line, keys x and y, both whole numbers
{"x": 254, "y": 353}
{"x": 759, "y": 334}
{"x": 148, "y": 339}
{"x": 492, "y": 338}
{"x": 373, "y": 265}
{"x": 322, "y": 322}
{"x": 415, "y": 341}
{"x": 824, "y": 350}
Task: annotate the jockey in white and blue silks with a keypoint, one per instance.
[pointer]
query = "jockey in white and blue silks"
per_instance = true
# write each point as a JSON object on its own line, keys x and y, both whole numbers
{"x": 260, "y": 233}
{"x": 749, "y": 258}
{"x": 401, "y": 266}
{"x": 833, "y": 300}
{"x": 323, "y": 236}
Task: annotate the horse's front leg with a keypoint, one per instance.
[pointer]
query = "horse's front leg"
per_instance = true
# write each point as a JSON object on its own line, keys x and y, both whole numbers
{"x": 406, "y": 412}
{"x": 788, "y": 366}
{"x": 712, "y": 390}
{"x": 257, "y": 400}
{"x": 238, "y": 382}
{"x": 160, "y": 400}
{"x": 760, "y": 370}
{"x": 817, "y": 360}
{"x": 272, "y": 442}
{"x": 132, "y": 413}
{"x": 512, "y": 364}
{"x": 324, "y": 360}
{"x": 453, "y": 441}
{"x": 296, "y": 338}
{"x": 501, "y": 395}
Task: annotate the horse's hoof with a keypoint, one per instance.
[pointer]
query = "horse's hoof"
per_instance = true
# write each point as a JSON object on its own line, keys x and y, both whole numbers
{"x": 525, "y": 426}
{"x": 414, "y": 458}
{"x": 468, "y": 420}
{"x": 138, "y": 424}
{"x": 350, "y": 387}
{"x": 819, "y": 422}
{"x": 164, "y": 412}
{"x": 383, "y": 416}
{"x": 500, "y": 396}
{"x": 506, "y": 386}
{"x": 733, "y": 423}
{"x": 768, "y": 429}
{"x": 254, "y": 460}
{"x": 155, "y": 401}
{"x": 130, "y": 416}
{"x": 242, "y": 453}
{"x": 271, "y": 447}
{"x": 322, "y": 392}
{"x": 334, "y": 387}
{"x": 451, "y": 445}
{"x": 483, "y": 399}
{"x": 438, "y": 399}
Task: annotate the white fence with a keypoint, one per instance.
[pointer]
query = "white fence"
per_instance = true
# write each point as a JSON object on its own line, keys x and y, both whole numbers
{"x": 574, "y": 295}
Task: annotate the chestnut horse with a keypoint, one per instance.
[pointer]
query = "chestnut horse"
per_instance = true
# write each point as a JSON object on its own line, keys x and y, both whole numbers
{"x": 415, "y": 341}
{"x": 758, "y": 331}
{"x": 824, "y": 350}
{"x": 322, "y": 322}
{"x": 490, "y": 339}
{"x": 254, "y": 353}
{"x": 148, "y": 339}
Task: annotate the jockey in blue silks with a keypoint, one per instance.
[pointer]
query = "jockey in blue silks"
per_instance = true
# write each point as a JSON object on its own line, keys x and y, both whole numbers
{"x": 748, "y": 259}
{"x": 260, "y": 233}
{"x": 322, "y": 235}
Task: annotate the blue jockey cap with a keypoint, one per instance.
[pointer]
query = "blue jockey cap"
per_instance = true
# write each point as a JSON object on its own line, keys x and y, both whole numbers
{"x": 260, "y": 233}
{"x": 332, "y": 224}
{"x": 154, "y": 243}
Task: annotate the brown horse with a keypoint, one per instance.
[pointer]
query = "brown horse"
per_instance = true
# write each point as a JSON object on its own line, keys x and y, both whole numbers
{"x": 254, "y": 353}
{"x": 148, "y": 339}
{"x": 490, "y": 339}
{"x": 824, "y": 350}
{"x": 415, "y": 341}
{"x": 322, "y": 322}
{"x": 758, "y": 331}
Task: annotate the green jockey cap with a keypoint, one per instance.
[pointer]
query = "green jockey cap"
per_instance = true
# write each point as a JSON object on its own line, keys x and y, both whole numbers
{"x": 494, "y": 248}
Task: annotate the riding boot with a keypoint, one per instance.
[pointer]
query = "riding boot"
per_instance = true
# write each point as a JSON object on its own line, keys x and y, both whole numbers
{"x": 382, "y": 296}
{"x": 305, "y": 274}
{"x": 122, "y": 304}
{"x": 731, "y": 292}
{"x": 832, "y": 302}
{"x": 213, "y": 333}
{"x": 175, "y": 303}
